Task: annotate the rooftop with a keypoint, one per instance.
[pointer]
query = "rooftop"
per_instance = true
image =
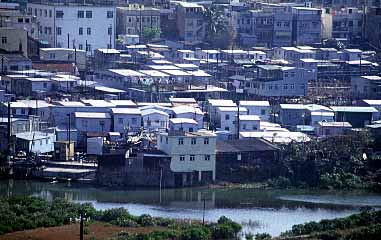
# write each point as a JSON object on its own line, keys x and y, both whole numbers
{"x": 255, "y": 103}
{"x": 221, "y": 103}
{"x": 93, "y": 115}
{"x": 335, "y": 124}
{"x": 132, "y": 111}
{"x": 97, "y": 103}
{"x": 249, "y": 118}
{"x": 354, "y": 109}
{"x": 127, "y": 72}
{"x": 244, "y": 145}
{"x": 182, "y": 120}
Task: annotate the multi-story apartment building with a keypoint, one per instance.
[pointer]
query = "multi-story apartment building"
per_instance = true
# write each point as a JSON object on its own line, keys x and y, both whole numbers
{"x": 372, "y": 27}
{"x": 346, "y": 23}
{"x": 273, "y": 80}
{"x": 190, "y": 22}
{"x": 306, "y": 27}
{"x": 135, "y": 19}
{"x": 85, "y": 27}
{"x": 11, "y": 16}
{"x": 193, "y": 156}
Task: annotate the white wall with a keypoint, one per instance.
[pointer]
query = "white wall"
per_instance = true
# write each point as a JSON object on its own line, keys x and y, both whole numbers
{"x": 130, "y": 121}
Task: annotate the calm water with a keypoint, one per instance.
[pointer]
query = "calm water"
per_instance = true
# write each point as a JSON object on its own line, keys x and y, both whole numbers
{"x": 272, "y": 211}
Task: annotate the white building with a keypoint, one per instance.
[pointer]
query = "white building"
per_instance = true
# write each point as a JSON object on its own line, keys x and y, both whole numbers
{"x": 183, "y": 124}
{"x": 213, "y": 105}
{"x": 126, "y": 120}
{"x": 154, "y": 119}
{"x": 259, "y": 108}
{"x": 191, "y": 153}
{"x": 228, "y": 117}
{"x": 94, "y": 122}
{"x": 75, "y": 25}
{"x": 191, "y": 113}
{"x": 249, "y": 123}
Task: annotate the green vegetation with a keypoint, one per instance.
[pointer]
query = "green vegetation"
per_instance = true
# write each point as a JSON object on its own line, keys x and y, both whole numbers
{"x": 22, "y": 213}
{"x": 149, "y": 34}
{"x": 365, "y": 225}
{"x": 219, "y": 34}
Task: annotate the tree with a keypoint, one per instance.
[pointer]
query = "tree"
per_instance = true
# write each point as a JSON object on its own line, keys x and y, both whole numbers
{"x": 218, "y": 33}
{"x": 150, "y": 33}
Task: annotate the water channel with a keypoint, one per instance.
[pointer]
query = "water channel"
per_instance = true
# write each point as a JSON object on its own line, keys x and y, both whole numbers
{"x": 271, "y": 211}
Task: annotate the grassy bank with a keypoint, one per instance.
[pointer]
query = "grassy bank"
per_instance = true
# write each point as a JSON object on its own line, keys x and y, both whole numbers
{"x": 24, "y": 213}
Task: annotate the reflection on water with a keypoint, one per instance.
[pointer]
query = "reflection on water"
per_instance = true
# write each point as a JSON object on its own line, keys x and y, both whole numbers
{"x": 271, "y": 211}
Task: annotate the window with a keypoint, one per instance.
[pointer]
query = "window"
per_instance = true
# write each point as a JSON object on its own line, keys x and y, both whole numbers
{"x": 110, "y": 14}
{"x": 50, "y": 13}
{"x": 80, "y": 14}
{"x": 80, "y": 31}
{"x": 263, "y": 111}
{"x": 20, "y": 20}
{"x": 134, "y": 121}
{"x": 191, "y": 158}
{"x": 46, "y": 12}
{"x": 109, "y": 30}
{"x": 182, "y": 158}
{"x": 227, "y": 129}
{"x": 47, "y": 141}
{"x": 88, "y": 31}
{"x": 292, "y": 86}
{"x": 207, "y": 157}
{"x": 59, "y": 14}
{"x": 129, "y": 19}
{"x": 22, "y": 111}
{"x": 4, "y": 40}
{"x": 88, "y": 47}
{"x": 244, "y": 126}
{"x": 45, "y": 85}
{"x": 80, "y": 46}
{"x": 285, "y": 87}
{"x": 89, "y": 14}
{"x": 120, "y": 120}
{"x": 193, "y": 141}
{"x": 59, "y": 30}
{"x": 166, "y": 140}
{"x": 206, "y": 140}
{"x": 227, "y": 117}
{"x": 181, "y": 141}
{"x": 239, "y": 157}
{"x": 52, "y": 55}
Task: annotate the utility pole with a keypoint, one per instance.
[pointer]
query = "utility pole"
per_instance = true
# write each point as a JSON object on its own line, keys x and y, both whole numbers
{"x": 81, "y": 226}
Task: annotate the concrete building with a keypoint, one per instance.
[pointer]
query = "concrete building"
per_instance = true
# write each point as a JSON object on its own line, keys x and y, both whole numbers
{"x": 372, "y": 26}
{"x": 11, "y": 16}
{"x": 76, "y": 56}
{"x": 366, "y": 86}
{"x": 190, "y": 112}
{"x": 346, "y": 23}
{"x": 306, "y": 25}
{"x": 32, "y": 87}
{"x": 190, "y": 22}
{"x": 193, "y": 157}
{"x": 14, "y": 40}
{"x": 274, "y": 80}
{"x": 74, "y": 25}
{"x": 136, "y": 19}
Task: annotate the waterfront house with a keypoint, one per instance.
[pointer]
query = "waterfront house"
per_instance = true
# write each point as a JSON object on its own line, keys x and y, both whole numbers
{"x": 36, "y": 142}
{"x": 193, "y": 157}
{"x": 227, "y": 117}
{"x": 92, "y": 122}
{"x": 249, "y": 123}
{"x": 232, "y": 155}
